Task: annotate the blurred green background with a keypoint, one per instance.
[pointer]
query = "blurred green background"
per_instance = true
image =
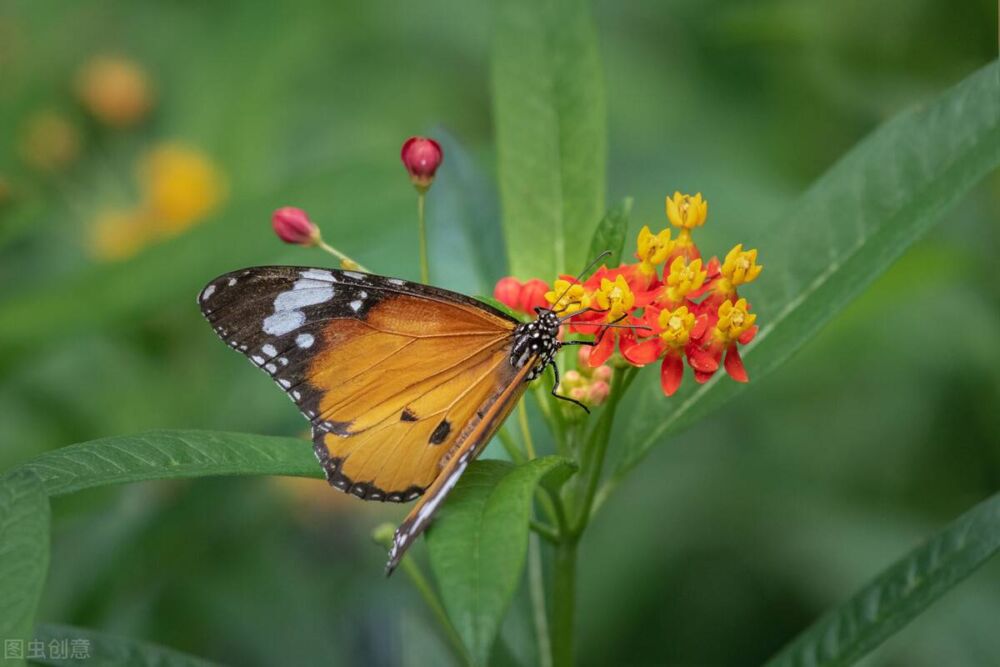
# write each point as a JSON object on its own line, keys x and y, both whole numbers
{"x": 721, "y": 546}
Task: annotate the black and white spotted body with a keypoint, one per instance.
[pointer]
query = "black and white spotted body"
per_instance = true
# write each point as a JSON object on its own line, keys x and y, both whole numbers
{"x": 539, "y": 337}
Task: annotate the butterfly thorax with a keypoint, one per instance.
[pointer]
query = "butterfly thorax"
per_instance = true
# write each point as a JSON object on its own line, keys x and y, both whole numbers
{"x": 537, "y": 339}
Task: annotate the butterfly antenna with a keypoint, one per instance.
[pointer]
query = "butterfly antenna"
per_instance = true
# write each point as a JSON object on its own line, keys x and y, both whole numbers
{"x": 583, "y": 273}
{"x": 613, "y": 325}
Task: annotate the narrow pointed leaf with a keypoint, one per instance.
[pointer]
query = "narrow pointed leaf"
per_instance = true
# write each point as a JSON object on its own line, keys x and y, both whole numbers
{"x": 610, "y": 234}
{"x": 105, "y": 649}
{"x": 24, "y": 552}
{"x": 845, "y": 231}
{"x": 170, "y": 455}
{"x": 478, "y": 545}
{"x": 895, "y": 597}
{"x": 548, "y": 101}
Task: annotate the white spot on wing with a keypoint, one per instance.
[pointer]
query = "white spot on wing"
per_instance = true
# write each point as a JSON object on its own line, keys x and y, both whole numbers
{"x": 318, "y": 274}
{"x": 271, "y": 368}
{"x": 301, "y": 296}
{"x": 356, "y": 276}
{"x": 396, "y": 281}
{"x": 232, "y": 281}
{"x": 258, "y": 360}
{"x": 284, "y": 383}
{"x": 269, "y": 350}
{"x": 304, "y": 340}
{"x": 356, "y": 305}
{"x": 284, "y": 322}
{"x": 207, "y": 292}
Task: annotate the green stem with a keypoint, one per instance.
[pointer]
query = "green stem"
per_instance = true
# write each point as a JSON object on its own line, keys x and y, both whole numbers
{"x": 425, "y": 271}
{"x": 545, "y": 531}
{"x": 345, "y": 261}
{"x": 510, "y": 446}
{"x": 563, "y": 602}
{"x": 593, "y": 463}
{"x": 537, "y": 590}
{"x": 522, "y": 420}
{"x": 430, "y": 598}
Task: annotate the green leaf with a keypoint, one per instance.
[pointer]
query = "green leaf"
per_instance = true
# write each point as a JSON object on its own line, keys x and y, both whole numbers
{"x": 170, "y": 455}
{"x": 610, "y": 233}
{"x": 24, "y": 551}
{"x": 548, "y": 100}
{"x": 898, "y": 595}
{"x": 104, "y": 649}
{"x": 846, "y": 230}
{"x": 478, "y": 545}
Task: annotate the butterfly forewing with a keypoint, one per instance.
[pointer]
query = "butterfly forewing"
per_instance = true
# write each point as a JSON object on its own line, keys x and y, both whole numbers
{"x": 394, "y": 376}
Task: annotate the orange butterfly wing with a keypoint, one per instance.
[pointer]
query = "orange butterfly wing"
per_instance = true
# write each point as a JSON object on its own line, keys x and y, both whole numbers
{"x": 403, "y": 383}
{"x": 398, "y": 389}
{"x": 477, "y": 434}
{"x": 389, "y": 372}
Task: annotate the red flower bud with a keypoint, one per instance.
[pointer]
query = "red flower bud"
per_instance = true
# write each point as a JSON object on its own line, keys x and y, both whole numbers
{"x": 292, "y": 225}
{"x": 421, "y": 157}
{"x": 533, "y": 295}
{"x": 508, "y": 292}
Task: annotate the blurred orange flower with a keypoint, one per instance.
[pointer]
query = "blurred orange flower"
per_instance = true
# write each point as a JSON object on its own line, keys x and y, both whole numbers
{"x": 116, "y": 90}
{"x": 49, "y": 141}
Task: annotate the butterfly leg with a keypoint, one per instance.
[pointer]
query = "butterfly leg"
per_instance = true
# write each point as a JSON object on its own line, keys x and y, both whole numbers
{"x": 555, "y": 386}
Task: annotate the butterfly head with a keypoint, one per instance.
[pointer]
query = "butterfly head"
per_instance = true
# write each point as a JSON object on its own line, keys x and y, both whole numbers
{"x": 538, "y": 339}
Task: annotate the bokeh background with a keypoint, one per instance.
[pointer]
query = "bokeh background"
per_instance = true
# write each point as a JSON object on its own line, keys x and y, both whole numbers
{"x": 143, "y": 146}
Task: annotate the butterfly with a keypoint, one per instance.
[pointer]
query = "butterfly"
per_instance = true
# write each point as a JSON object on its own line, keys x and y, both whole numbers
{"x": 404, "y": 384}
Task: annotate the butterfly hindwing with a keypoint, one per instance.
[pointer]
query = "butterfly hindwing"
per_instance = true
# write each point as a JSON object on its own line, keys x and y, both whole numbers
{"x": 390, "y": 373}
{"x": 476, "y": 436}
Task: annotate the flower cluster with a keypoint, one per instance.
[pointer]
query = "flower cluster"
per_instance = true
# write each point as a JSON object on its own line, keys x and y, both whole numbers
{"x": 670, "y": 305}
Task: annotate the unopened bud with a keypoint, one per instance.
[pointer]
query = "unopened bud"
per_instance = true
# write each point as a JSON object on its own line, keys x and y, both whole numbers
{"x": 603, "y": 373}
{"x": 533, "y": 295}
{"x": 383, "y": 534}
{"x": 292, "y": 225}
{"x": 508, "y": 292}
{"x": 421, "y": 157}
{"x": 598, "y": 392}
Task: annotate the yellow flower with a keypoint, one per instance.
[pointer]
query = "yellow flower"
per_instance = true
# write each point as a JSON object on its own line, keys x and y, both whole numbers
{"x": 181, "y": 186}
{"x": 740, "y": 266}
{"x": 652, "y": 249}
{"x": 734, "y": 320}
{"x": 615, "y": 297}
{"x": 572, "y": 297}
{"x": 685, "y": 211}
{"x": 684, "y": 278}
{"x": 119, "y": 234}
{"x": 675, "y": 326}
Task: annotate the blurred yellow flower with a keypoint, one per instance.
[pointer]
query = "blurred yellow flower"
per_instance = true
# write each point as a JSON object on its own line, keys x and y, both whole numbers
{"x": 116, "y": 90}
{"x": 180, "y": 186}
{"x": 119, "y": 234}
{"x": 49, "y": 141}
